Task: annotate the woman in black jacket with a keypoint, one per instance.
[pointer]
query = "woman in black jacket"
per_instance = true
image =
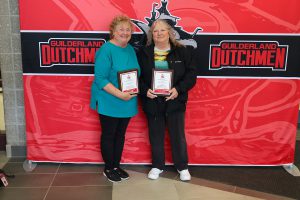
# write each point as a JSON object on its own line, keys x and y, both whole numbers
{"x": 164, "y": 52}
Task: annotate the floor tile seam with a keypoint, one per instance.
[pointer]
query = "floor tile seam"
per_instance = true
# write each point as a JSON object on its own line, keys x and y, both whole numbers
{"x": 78, "y": 186}
{"x": 260, "y": 194}
{"x": 224, "y": 190}
{"x": 177, "y": 191}
{"x": 177, "y": 177}
{"x": 257, "y": 194}
{"x": 231, "y": 191}
{"x": 27, "y": 187}
{"x": 49, "y": 187}
{"x": 30, "y": 173}
{"x": 234, "y": 188}
{"x": 218, "y": 185}
{"x": 144, "y": 183}
{"x": 264, "y": 195}
{"x": 79, "y": 173}
{"x": 38, "y": 173}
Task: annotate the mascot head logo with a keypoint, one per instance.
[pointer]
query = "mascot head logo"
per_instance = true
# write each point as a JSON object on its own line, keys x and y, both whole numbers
{"x": 162, "y": 12}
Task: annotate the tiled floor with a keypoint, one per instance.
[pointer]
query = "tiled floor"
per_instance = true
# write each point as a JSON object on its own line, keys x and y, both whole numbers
{"x": 54, "y": 181}
{"x": 59, "y": 181}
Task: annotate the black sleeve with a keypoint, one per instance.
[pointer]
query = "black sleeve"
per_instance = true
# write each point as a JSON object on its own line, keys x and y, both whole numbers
{"x": 190, "y": 76}
{"x": 142, "y": 84}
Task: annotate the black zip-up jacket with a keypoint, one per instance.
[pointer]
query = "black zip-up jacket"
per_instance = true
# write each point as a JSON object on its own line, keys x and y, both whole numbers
{"x": 180, "y": 59}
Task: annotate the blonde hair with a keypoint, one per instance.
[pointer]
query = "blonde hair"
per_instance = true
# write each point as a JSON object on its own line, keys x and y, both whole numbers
{"x": 171, "y": 32}
{"x": 119, "y": 20}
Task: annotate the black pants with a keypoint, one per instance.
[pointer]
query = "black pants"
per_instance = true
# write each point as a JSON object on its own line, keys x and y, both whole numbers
{"x": 175, "y": 124}
{"x": 112, "y": 139}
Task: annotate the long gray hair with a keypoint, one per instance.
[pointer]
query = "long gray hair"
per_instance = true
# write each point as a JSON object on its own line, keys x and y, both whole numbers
{"x": 171, "y": 32}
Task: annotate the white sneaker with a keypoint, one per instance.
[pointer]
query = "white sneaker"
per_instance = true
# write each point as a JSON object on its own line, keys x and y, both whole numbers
{"x": 154, "y": 173}
{"x": 185, "y": 175}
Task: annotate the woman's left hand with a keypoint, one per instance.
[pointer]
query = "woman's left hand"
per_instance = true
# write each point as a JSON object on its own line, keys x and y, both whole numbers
{"x": 173, "y": 94}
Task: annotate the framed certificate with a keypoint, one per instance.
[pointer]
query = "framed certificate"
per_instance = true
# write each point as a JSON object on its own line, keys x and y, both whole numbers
{"x": 162, "y": 81}
{"x": 128, "y": 81}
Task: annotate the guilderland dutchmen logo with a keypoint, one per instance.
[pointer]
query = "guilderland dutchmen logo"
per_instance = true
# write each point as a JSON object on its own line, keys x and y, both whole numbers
{"x": 248, "y": 54}
{"x": 69, "y": 51}
{"x": 163, "y": 13}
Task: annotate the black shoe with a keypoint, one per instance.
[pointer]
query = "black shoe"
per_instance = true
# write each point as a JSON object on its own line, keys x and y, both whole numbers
{"x": 122, "y": 174}
{"x": 112, "y": 176}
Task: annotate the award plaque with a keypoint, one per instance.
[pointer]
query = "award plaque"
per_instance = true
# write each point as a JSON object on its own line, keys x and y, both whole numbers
{"x": 162, "y": 81}
{"x": 128, "y": 81}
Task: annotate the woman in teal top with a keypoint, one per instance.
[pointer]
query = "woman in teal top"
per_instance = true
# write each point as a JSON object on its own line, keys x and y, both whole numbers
{"x": 115, "y": 107}
{"x": 109, "y": 60}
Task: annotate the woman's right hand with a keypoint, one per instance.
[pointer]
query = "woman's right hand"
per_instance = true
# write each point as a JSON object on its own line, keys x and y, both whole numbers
{"x": 150, "y": 94}
{"x": 126, "y": 96}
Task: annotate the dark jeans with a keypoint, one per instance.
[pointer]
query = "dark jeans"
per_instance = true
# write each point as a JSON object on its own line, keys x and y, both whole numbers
{"x": 112, "y": 139}
{"x": 175, "y": 124}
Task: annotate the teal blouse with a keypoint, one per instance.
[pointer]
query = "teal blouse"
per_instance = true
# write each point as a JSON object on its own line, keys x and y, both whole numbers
{"x": 109, "y": 60}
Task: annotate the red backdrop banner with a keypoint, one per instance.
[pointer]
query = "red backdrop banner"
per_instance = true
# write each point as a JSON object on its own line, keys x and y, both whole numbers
{"x": 236, "y": 115}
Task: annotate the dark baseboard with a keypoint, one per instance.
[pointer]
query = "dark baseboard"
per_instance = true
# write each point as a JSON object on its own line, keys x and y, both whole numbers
{"x": 2, "y": 141}
{"x": 15, "y": 151}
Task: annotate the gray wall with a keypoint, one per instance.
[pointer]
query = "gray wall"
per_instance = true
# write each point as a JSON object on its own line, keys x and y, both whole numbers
{"x": 11, "y": 70}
